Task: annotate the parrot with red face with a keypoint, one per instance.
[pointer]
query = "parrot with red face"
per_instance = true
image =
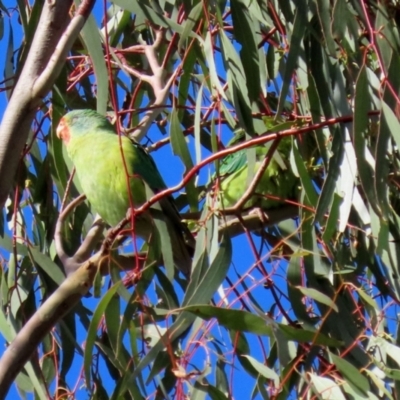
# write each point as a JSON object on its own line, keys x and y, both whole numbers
{"x": 115, "y": 174}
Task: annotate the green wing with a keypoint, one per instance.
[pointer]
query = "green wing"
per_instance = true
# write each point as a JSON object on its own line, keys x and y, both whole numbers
{"x": 144, "y": 166}
{"x": 277, "y": 183}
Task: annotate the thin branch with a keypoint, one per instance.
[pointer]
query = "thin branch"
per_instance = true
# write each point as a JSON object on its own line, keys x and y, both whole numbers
{"x": 158, "y": 105}
{"x": 156, "y": 81}
{"x": 253, "y": 222}
{"x": 90, "y": 241}
{"x": 132, "y": 262}
{"x": 63, "y": 256}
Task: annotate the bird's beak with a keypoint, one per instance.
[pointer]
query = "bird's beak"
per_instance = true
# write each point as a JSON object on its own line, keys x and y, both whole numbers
{"x": 62, "y": 130}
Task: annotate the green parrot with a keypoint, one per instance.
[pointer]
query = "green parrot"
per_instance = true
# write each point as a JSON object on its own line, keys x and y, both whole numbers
{"x": 276, "y": 184}
{"x": 115, "y": 172}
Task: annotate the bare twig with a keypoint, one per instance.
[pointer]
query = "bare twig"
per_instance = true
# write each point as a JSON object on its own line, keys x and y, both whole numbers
{"x": 71, "y": 264}
{"x": 66, "y": 261}
{"x": 156, "y": 81}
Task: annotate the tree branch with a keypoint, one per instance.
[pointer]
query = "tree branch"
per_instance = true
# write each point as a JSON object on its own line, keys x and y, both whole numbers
{"x": 51, "y": 311}
{"x": 156, "y": 81}
{"x": 253, "y": 221}
{"x": 90, "y": 241}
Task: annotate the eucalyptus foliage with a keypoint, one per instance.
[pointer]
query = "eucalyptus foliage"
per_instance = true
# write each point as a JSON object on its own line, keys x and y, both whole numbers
{"x": 295, "y": 301}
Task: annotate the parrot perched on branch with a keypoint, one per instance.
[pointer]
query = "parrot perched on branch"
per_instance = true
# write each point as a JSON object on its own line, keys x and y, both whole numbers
{"x": 277, "y": 183}
{"x": 116, "y": 173}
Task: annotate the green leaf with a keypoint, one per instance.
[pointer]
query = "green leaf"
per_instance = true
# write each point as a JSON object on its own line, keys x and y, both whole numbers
{"x": 306, "y": 181}
{"x": 154, "y": 15}
{"x": 351, "y": 373}
{"x": 388, "y": 124}
{"x": 180, "y": 148}
{"x": 209, "y": 53}
{"x": 9, "y": 62}
{"x": 238, "y": 93}
{"x": 323, "y": 9}
{"x": 165, "y": 240}
{"x": 92, "y": 331}
{"x": 190, "y": 22}
{"x": 333, "y": 177}
{"x": 326, "y": 388}
{"x": 237, "y": 320}
{"x": 197, "y": 124}
{"x": 299, "y": 28}
{"x": 361, "y": 132}
{"x": 244, "y": 321}
{"x": 202, "y": 288}
{"x": 263, "y": 370}
{"x": 340, "y": 18}
{"x": 44, "y": 261}
{"x": 91, "y": 38}
{"x": 245, "y": 28}
{"x": 294, "y": 279}
{"x": 318, "y": 296}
